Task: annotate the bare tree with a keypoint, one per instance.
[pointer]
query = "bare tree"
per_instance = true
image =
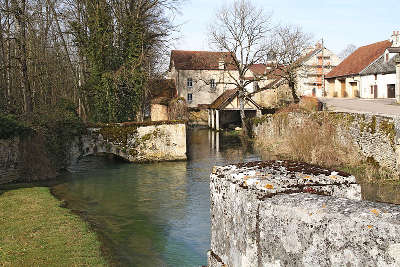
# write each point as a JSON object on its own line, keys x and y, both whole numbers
{"x": 246, "y": 31}
{"x": 288, "y": 49}
{"x": 241, "y": 29}
{"x": 347, "y": 51}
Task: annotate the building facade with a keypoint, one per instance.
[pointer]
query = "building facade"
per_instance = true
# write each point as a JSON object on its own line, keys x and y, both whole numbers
{"x": 201, "y": 76}
{"x": 316, "y": 63}
{"x": 369, "y": 72}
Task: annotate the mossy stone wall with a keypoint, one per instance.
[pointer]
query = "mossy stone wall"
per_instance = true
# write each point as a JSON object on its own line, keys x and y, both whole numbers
{"x": 377, "y": 137}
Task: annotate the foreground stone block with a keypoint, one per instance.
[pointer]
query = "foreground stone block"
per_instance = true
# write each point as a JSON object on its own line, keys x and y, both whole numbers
{"x": 281, "y": 213}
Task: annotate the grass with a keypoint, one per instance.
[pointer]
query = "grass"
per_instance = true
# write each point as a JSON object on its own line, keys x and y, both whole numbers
{"x": 36, "y": 231}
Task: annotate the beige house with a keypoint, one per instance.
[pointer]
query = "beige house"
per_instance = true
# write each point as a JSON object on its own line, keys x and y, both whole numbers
{"x": 316, "y": 63}
{"x": 369, "y": 72}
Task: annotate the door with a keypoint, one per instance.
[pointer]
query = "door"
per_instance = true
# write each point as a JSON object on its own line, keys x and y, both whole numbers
{"x": 343, "y": 88}
{"x": 375, "y": 91}
{"x": 391, "y": 91}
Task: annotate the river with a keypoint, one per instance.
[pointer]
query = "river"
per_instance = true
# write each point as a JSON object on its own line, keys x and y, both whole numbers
{"x": 154, "y": 214}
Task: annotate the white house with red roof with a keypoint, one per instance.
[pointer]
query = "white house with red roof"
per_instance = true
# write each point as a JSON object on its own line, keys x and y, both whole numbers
{"x": 369, "y": 72}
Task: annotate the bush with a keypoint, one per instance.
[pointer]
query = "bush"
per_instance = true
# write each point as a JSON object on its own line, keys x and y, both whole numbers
{"x": 11, "y": 127}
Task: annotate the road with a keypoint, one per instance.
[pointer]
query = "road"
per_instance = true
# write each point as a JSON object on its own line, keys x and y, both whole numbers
{"x": 387, "y": 107}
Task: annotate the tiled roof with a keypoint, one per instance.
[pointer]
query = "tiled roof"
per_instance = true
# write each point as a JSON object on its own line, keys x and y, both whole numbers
{"x": 359, "y": 60}
{"x": 201, "y": 60}
{"x": 258, "y": 69}
{"x": 223, "y": 98}
{"x": 381, "y": 66}
{"x": 227, "y": 97}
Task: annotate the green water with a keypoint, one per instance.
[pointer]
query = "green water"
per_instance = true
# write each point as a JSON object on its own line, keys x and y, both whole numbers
{"x": 152, "y": 214}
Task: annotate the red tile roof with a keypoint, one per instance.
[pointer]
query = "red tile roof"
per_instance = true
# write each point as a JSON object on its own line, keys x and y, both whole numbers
{"x": 258, "y": 69}
{"x": 200, "y": 60}
{"x": 359, "y": 60}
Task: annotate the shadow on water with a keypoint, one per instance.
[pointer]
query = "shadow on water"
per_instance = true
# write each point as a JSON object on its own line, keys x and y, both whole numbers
{"x": 154, "y": 214}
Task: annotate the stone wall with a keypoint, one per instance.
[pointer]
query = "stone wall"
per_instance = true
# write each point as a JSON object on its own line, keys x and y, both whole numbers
{"x": 10, "y": 166}
{"x": 377, "y": 137}
{"x": 159, "y": 112}
{"x": 281, "y": 213}
{"x": 158, "y": 141}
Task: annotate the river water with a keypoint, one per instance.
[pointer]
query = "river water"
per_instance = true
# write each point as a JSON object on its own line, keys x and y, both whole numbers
{"x": 152, "y": 214}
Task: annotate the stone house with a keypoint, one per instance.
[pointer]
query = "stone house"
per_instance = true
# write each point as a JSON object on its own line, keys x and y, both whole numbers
{"x": 315, "y": 64}
{"x": 378, "y": 80}
{"x": 369, "y": 72}
{"x": 201, "y": 76}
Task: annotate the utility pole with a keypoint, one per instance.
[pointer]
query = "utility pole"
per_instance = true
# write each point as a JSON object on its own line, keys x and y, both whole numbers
{"x": 323, "y": 70}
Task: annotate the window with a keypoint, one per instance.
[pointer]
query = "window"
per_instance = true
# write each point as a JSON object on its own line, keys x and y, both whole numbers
{"x": 189, "y": 82}
{"x": 213, "y": 84}
{"x": 190, "y": 98}
{"x": 376, "y": 77}
{"x": 255, "y": 86}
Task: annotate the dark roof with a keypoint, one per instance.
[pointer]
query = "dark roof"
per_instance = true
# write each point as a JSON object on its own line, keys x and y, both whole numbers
{"x": 162, "y": 88}
{"x": 381, "y": 66}
{"x": 359, "y": 59}
{"x": 161, "y": 100}
{"x": 226, "y": 96}
{"x": 201, "y": 60}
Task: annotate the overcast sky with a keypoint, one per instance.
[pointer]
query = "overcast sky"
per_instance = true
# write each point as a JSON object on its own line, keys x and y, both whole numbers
{"x": 339, "y": 22}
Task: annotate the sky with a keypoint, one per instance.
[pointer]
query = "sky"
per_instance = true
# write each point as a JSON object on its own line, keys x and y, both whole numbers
{"x": 339, "y": 22}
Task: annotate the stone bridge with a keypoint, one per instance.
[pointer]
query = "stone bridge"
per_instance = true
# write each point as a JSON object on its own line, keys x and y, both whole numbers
{"x": 134, "y": 142}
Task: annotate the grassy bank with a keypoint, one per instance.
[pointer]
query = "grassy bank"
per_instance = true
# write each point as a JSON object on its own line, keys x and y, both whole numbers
{"x": 36, "y": 231}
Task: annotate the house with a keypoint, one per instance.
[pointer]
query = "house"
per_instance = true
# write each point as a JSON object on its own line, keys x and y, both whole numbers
{"x": 225, "y": 110}
{"x": 378, "y": 80}
{"x": 162, "y": 91}
{"x": 201, "y": 76}
{"x": 315, "y": 64}
{"x": 369, "y": 72}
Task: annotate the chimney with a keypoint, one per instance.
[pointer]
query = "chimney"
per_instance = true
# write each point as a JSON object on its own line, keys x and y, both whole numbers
{"x": 395, "y": 39}
{"x": 221, "y": 64}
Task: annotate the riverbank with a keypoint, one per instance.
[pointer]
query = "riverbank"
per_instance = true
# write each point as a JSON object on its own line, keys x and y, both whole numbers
{"x": 35, "y": 231}
{"x": 363, "y": 145}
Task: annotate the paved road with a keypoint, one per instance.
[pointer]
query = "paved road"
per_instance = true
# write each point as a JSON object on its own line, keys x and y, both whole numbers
{"x": 387, "y": 107}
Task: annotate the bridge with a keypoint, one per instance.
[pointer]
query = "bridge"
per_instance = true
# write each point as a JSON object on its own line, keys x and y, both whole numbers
{"x": 133, "y": 142}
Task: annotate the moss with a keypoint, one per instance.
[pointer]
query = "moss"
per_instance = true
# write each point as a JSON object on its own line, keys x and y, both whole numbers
{"x": 117, "y": 133}
{"x": 389, "y": 129}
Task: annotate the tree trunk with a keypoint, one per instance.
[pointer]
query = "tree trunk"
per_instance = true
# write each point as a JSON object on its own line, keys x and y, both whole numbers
{"x": 242, "y": 113}
{"x": 292, "y": 87}
{"x": 20, "y": 15}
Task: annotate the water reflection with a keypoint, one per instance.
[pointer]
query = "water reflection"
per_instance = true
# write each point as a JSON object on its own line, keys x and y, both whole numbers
{"x": 153, "y": 214}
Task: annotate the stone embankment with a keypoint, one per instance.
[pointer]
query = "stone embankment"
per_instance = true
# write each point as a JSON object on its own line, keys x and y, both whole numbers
{"x": 282, "y": 213}
{"x": 376, "y": 137}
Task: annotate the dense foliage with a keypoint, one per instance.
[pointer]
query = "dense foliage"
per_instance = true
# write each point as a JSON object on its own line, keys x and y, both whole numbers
{"x": 11, "y": 127}
{"x": 98, "y": 54}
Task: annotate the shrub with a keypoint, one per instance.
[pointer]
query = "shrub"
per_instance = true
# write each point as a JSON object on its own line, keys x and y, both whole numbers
{"x": 11, "y": 127}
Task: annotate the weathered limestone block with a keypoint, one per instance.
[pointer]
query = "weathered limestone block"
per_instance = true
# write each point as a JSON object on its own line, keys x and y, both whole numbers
{"x": 280, "y": 213}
